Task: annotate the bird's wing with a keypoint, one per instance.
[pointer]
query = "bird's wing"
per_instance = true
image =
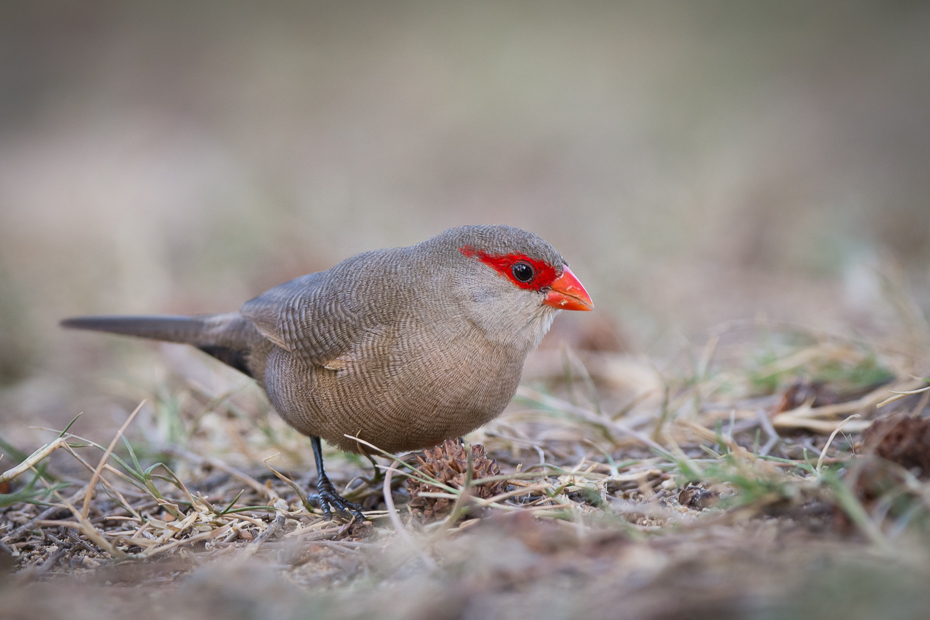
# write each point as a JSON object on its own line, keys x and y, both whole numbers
{"x": 307, "y": 317}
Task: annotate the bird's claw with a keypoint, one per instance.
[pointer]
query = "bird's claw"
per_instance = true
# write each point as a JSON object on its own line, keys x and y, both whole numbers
{"x": 329, "y": 500}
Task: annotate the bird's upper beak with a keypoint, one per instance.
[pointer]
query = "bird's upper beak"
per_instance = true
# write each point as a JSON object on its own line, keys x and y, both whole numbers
{"x": 567, "y": 293}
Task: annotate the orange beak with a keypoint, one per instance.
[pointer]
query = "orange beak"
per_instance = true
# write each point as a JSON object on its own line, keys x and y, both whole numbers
{"x": 567, "y": 293}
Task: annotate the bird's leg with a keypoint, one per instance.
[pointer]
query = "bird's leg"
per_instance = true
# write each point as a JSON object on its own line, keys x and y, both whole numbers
{"x": 326, "y": 494}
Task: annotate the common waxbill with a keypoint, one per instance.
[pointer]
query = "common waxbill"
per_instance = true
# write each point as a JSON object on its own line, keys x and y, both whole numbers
{"x": 403, "y": 347}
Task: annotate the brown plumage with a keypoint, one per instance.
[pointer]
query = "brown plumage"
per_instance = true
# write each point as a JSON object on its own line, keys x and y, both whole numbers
{"x": 402, "y": 347}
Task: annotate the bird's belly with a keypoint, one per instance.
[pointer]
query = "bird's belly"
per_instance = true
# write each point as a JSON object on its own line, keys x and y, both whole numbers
{"x": 395, "y": 407}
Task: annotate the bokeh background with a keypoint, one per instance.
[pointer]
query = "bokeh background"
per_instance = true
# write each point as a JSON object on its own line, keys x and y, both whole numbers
{"x": 695, "y": 162}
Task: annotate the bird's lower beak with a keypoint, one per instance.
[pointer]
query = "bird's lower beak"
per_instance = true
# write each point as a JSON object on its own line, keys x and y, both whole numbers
{"x": 567, "y": 293}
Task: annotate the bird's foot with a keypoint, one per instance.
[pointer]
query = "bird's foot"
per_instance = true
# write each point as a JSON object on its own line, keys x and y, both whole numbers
{"x": 329, "y": 500}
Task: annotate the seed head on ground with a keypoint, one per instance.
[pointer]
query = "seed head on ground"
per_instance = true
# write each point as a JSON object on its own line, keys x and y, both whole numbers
{"x": 448, "y": 464}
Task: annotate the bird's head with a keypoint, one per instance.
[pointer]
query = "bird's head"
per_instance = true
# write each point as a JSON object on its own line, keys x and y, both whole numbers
{"x": 510, "y": 282}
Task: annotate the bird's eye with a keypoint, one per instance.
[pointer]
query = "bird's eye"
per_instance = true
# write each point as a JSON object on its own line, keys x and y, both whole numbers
{"x": 522, "y": 272}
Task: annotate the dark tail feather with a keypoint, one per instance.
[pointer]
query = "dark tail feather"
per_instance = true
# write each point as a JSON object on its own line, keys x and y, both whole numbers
{"x": 169, "y": 328}
{"x": 224, "y": 336}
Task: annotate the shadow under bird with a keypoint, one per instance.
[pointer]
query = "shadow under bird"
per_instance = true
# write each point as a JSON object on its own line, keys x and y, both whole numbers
{"x": 402, "y": 347}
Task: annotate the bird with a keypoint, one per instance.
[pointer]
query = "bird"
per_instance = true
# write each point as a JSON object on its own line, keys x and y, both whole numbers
{"x": 401, "y": 348}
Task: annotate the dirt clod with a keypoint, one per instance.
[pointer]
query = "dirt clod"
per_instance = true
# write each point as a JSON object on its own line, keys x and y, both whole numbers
{"x": 902, "y": 440}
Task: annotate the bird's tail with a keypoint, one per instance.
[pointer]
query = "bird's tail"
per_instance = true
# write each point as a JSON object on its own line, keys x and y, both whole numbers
{"x": 227, "y": 337}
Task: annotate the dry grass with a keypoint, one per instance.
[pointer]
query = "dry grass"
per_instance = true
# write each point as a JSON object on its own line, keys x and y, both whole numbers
{"x": 741, "y": 459}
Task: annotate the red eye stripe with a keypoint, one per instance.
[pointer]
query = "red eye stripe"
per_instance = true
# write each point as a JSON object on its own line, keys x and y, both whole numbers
{"x": 544, "y": 273}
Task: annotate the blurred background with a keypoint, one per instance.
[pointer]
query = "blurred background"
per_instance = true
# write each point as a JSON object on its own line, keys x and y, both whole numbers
{"x": 695, "y": 162}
